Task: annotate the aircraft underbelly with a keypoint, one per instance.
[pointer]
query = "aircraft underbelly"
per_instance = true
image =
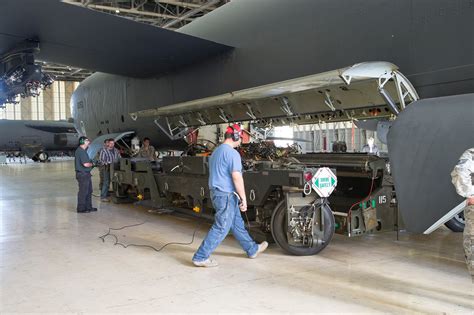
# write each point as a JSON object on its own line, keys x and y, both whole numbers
{"x": 425, "y": 143}
{"x": 102, "y": 105}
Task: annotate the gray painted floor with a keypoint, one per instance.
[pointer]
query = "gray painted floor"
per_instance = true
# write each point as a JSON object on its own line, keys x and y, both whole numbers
{"x": 53, "y": 261}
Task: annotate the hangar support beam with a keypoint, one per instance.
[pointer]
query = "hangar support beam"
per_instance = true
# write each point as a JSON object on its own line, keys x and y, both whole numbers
{"x": 170, "y": 14}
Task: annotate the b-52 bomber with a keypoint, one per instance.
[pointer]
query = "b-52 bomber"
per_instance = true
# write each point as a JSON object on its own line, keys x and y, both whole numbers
{"x": 36, "y": 139}
{"x": 409, "y": 64}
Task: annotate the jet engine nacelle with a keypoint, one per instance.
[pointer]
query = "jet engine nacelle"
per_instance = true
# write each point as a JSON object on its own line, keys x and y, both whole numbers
{"x": 65, "y": 140}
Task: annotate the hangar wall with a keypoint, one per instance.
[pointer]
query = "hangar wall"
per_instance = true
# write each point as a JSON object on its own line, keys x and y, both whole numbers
{"x": 313, "y": 138}
{"x": 320, "y": 138}
{"x": 51, "y": 104}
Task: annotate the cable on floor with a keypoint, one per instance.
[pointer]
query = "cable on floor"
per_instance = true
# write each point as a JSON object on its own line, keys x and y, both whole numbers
{"x": 103, "y": 237}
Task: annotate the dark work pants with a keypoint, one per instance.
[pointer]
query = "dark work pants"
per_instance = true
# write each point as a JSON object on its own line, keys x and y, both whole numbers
{"x": 101, "y": 176}
{"x": 105, "y": 172}
{"x": 84, "y": 196}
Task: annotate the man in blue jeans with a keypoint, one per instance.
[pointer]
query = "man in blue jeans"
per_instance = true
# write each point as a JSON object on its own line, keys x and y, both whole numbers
{"x": 226, "y": 185}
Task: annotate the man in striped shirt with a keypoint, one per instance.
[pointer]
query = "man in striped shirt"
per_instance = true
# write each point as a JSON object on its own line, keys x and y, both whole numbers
{"x": 108, "y": 155}
{"x": 101, "y": 168}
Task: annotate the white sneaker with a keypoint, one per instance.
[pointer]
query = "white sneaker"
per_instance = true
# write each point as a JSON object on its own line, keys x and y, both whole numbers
{"x": 206, "y": 263}
{"x": 261, "y": 248}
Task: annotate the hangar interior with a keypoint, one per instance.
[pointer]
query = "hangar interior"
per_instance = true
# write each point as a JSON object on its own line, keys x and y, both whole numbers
{"x": 346, "y": 160}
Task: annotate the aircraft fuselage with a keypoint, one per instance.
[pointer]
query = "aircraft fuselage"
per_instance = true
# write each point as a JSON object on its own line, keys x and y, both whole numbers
{"x": 430, "y": 41}
{"x": 30, "y": 137}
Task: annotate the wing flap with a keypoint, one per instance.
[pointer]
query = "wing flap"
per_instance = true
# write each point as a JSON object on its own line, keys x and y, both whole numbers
{"x": 311, "y": 99}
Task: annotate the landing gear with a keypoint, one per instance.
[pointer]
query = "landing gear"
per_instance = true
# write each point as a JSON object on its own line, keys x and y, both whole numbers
{"x": 299, "y": 242}
{"x": 41, "y": 157}
{"x": 457, "y": 223}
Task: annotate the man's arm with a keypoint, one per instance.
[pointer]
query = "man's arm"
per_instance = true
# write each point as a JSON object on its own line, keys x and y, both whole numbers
{"x": 240, "y": 189}
{"x": 461, "y": 177}
{"x": 87, "y": 163}
{"x": 85, "y": 160}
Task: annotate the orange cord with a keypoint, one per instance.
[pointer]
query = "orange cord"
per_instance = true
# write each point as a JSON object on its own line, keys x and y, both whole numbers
{"x": 363, "y": 200}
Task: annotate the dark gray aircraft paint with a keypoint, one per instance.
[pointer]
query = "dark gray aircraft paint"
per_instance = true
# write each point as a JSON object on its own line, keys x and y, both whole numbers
{"x": 431, "y": 42}
{"x": 31, "y": 137}
{"x": 425, "y": 143}
{"x": 274, "y": 40}
{"x": 89, "y": 39}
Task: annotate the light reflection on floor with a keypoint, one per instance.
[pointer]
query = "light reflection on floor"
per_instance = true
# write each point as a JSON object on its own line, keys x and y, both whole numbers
{"x": 51, "y": 260}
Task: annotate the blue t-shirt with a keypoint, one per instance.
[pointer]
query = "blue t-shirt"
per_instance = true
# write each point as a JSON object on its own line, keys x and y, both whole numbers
{"x": 224, "y": 160}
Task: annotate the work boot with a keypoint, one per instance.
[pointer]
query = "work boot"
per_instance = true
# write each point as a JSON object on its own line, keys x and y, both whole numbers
{"x": 261, "y": 248}
{"x": 206, "y": 263}
{"x": 92, "y": 209}
{"x": 83, "y": 211}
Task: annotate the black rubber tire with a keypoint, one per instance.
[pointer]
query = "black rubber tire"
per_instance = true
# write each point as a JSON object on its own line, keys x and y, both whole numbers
{"x": 278, "y": 225}
{"x": 43, "y": 157}
{"x": 456, "y": 224}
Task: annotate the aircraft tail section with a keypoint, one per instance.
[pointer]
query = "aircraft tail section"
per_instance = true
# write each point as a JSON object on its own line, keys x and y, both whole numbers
{"x": 425, "y": 143}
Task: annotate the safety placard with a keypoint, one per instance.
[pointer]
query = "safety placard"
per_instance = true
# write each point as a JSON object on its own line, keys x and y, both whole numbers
{"x": 324, "y": 182}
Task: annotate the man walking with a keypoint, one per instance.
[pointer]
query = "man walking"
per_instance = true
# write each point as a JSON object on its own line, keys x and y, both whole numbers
{"x": 226, "y": 185}
{"x": 107, "y": 157}
{"x": 83, "y": 167}
{"x": 463, "y": 179}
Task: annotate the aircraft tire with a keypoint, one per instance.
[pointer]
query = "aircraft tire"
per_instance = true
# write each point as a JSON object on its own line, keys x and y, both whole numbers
{"x": 41, "y": 157}
{"x": 457, "y": 223}
{"x": 279, "y": 226}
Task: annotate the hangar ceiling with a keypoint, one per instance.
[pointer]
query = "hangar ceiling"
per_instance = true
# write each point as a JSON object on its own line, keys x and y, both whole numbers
{"x": 169, "y": 14}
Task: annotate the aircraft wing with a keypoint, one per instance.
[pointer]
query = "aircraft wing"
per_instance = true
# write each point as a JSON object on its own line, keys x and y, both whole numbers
{"x": 51, "y": 126}
{"x": 83, "y": 38}
{"x": 344, "y": 94}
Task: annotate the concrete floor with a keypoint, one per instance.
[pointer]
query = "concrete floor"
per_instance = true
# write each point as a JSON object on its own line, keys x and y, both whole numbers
{"x": 53, "y": 261}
